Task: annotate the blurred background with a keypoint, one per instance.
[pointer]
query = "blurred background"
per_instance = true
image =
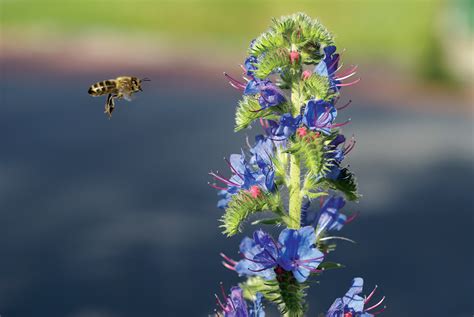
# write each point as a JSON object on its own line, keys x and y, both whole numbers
{"x": 114, "y": 218}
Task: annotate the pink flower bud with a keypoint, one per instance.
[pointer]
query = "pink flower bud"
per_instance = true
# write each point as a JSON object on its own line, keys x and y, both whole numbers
{"x": 255, "y": 191}
{"x": 306, "y": 74}
{"x": 294, "y": 56}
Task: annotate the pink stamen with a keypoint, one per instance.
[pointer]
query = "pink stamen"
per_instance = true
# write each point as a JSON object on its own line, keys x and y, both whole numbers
{"x": 227, "y": 258}
{"x": 233, "y": 81}
{"x": 352, "y": 217}
{"x": 312, "y": 269}
{"x": 350, "y": 146}
{"x": 340, "y": 66}
{"x": 345, "y": 106}
{"x": 260, "y": 270}
{"x": 376, "y": 305}
{"x": 349, "y": 84}
{"x": 219, "y": 302}
{"x": 310, "y": 260}
{"x": 340, "y": 124}
{"x": 344, "y": 77}
{"x": 379, "y": 311}
{"x": 216, "y": 187}
{"x": 370, "y": 295}
{"x": 233, "y": 169}
{"x": 224, "y": 180}
{"x": 335, "y": 61}
{"x": 351, "y": 69}
{"x": 235, "y": 86}
{"x": 251, "y": 260}
{"x": 323, "y": 117}
{"x": 228, "y": 266}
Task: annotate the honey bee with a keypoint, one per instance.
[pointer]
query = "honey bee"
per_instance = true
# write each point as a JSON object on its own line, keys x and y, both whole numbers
{"x": 118, "y": 88}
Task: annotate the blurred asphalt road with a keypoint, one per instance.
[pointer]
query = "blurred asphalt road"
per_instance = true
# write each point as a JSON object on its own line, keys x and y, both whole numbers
{"x": 113, "y": 218}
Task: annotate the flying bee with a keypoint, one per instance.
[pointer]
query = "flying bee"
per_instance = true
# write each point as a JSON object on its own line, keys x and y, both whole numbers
{"x": 118, "y": 88}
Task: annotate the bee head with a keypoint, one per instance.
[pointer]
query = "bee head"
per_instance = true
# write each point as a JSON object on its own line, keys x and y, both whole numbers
{"x": 137, "y": 83}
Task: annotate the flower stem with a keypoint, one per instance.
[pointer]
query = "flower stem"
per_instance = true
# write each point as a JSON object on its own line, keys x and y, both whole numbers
{"x": 295, "y": 169}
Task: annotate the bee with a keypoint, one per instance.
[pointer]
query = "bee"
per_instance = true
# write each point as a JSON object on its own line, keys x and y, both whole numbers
{"x": 118, "y": 88}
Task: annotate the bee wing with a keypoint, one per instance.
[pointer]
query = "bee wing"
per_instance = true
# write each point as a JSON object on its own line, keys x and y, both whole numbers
{"x": 126, "y": 94}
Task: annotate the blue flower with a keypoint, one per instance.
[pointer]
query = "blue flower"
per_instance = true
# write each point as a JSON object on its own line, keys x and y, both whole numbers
{"x": 336, "y": 154}
{"x": 257, "y": 309}
{"x": 270, "y": 95}
{"x": 328, "y": 66}
{"x": 253, "y": 176}
{"x": 319, "y": 115}
{"x": 250, "y": 65}
{"x": 352, "y": 305}
{"x": 298, "y": 253}
{"x": 235, "y": 305}
{"x": 329, "y": 217}
{"x": 283, "y": 129}
{"x": 260, "y": 256}
{"x": 294, "y": 252}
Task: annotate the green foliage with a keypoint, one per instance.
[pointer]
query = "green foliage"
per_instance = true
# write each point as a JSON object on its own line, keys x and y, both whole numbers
{"x": 248, "y": 111}
{"x": 286, "y": 292}
{"x": 330, "y": 266}
{"x": 317, "y": 87}
{"x": 311, "y": 149}
{"x": 242, "y": 205}
{"x": 346, "y": 183}
{"x": 271, "y": 61}
{"x": 308, "y": 35}
{"x": 255, "y": 284}
{"x": 280, "y": 166}
{"x": 292, "y": 295}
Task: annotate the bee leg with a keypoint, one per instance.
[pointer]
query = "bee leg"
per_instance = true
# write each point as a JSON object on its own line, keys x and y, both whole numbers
{"x": 110, "y": 105}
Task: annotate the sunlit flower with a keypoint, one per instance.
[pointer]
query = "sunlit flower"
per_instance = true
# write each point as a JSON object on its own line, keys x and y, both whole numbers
{"x": 336, "y": 153}
{"x": 294, "y": 252}
{"x": 269, "y": 94}
{"x": 254, "y": 176}
{"x": 352, "y": 305}
{"x": 319, "y": 115}
{"x": 284, "y": 128}
{"x": 329, "y": 66}
{"x": 234, "y": 305}
{"x": 299, "y": 255}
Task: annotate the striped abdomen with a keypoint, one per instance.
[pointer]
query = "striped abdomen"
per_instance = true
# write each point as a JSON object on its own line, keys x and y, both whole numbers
{"x": 103, "y": 87}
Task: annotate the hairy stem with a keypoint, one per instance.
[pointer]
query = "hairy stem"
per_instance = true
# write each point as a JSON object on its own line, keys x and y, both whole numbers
{"x": 295, "y": 188}
{"x": 295, "y": 168}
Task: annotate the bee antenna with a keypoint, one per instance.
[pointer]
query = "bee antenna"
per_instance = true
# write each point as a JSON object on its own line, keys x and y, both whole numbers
{"x": 146, "y": 79}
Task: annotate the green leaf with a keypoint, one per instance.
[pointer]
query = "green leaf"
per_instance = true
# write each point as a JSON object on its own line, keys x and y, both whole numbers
{"x": 317, "y": 87}
{"x": 268, "y": 221}
{"x": 271, "y": 61}
{"x": 346, "y": 183}
{"x": 242, "y": 205}
{"x": 330, "y": 266}
{"x": 285, "y": 292}
{"x": 249, "y": 110}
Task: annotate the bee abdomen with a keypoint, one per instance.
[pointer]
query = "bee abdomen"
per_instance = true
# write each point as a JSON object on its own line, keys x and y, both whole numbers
{"x": 102, "y": 88}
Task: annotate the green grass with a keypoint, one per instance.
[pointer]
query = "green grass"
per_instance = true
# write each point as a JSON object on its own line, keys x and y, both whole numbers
{"x": 400, "y": 30}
